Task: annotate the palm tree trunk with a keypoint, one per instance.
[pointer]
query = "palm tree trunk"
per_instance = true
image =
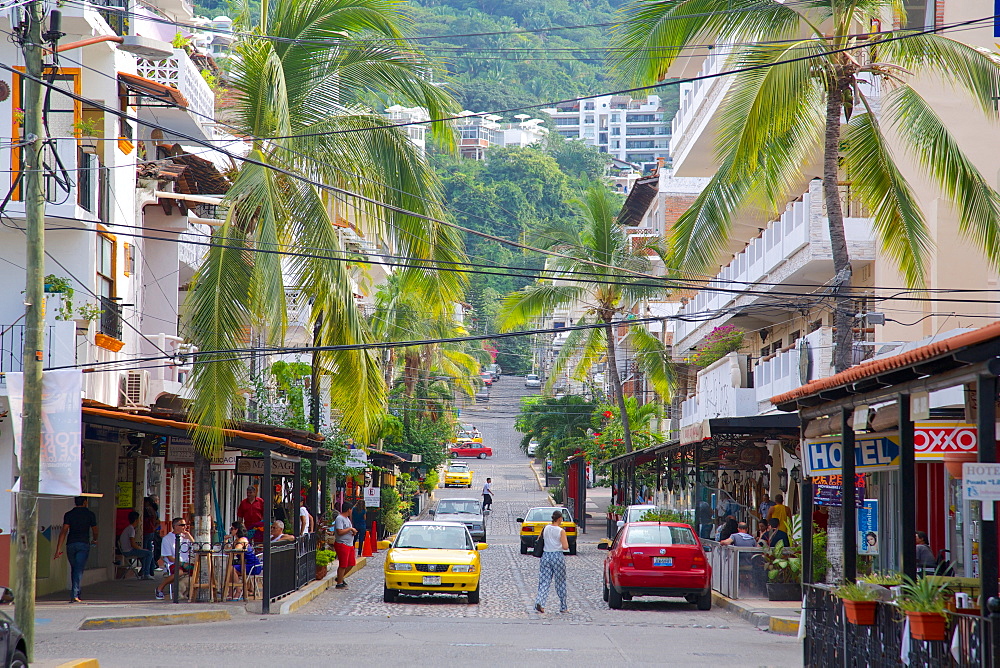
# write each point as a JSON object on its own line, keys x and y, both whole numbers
{"x": 616, "y": 385}
{"x": 202, "y": 529}
{"x": 842, "y": 317}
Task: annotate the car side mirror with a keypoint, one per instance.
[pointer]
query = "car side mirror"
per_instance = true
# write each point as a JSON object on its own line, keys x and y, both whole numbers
{"x": 604, "y": 545}
{"x": 620, "y": 523}
{"x": 384, "y": 545}
{"x": 430, "y": 512}
{"x": 520, "y": 520}
{"x": 708, "y": 548}
{"x": 481, "y": 546}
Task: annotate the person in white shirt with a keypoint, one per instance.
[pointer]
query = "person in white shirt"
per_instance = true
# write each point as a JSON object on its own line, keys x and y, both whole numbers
{"x": 168, "y": 551}
{"x": 553, "y": 566}
{"x": 741, "y": 538}
{"x": 305, "y": 519}
{"x": 130, "y": 547}
{"x": 488, "y": 495}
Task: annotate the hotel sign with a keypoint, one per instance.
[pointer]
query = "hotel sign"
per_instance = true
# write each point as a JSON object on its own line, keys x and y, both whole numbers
{"x": 872, "y": 452}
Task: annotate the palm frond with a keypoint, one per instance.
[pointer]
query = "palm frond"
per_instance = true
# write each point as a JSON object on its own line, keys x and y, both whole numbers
{"x": 878, "y": 183}
{"x": 518, "y": 309}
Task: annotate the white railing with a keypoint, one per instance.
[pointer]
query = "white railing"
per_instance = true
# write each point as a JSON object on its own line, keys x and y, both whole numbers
{"x": 189, "y": 253}
{"x": 693, "y": 94}
{"x": 783, "y": 372}
{"x": 721, "y": 392}
{"x": 781, "y": 239}
{"x": 172, "y": 345}
{"x": 180, "y": 72}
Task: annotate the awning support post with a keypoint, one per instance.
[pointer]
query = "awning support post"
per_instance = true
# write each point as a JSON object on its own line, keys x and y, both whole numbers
{"x": 907, "y": 489}
{"x": 848, "y": 495}
{"x": 267, "y": 493}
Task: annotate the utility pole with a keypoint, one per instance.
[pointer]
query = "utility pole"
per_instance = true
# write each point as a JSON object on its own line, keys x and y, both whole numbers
{"x": 34, "y": 315}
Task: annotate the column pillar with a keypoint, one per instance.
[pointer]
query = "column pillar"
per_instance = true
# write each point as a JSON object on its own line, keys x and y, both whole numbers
{"x": 848, "y": 494}
{"x": 907, "y": 490}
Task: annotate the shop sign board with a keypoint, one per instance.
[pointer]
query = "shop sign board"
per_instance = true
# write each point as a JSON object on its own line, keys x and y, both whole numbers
{"x": 228, "y": 461}
{"x": 872, "y": 452}
{"x": 694, "y": 433}
{"x": 868, "y": 537}
{"x": 931, "y": 440}
{"x": 357, "y": 459}
{"x": 827, "y": 490}
{"x": 255, "y": 466}
{"x": 180, "y": 452}
{"x": 981, "y": 482}
{"x": 373, "y": 497}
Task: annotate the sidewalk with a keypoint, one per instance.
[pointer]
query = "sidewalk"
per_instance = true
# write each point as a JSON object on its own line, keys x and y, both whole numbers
{"x": 775, "y": 616}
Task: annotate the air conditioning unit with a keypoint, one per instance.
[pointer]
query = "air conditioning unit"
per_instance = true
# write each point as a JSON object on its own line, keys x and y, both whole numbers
{"x": 134, "y": 390}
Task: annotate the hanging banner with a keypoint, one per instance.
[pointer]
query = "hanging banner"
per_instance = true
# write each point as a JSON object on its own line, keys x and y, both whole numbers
{"x": 868, "y": 528}
{"x": 61, "y": 449}
{"x": 872, "y": 452}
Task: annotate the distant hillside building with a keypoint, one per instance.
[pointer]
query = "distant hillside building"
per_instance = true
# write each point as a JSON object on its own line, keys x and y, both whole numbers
{"x": 633, "y": 131}
{"x": 479, "y": 131}
{"x": 416, "y": 133}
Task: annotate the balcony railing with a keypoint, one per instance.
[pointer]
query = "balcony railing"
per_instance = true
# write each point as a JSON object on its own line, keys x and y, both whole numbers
{"x": 111, "y": 318}
{"x": 59, "y": 350}
{"x": 118, "y": 14}
{"x": 781, "y": 239}
{"x": 180, "y": 72}
{"x": 723, "y": 390}
{"x": 692, "y": 95}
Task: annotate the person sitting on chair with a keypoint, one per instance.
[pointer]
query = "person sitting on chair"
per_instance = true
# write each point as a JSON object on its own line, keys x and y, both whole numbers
{"x": 130, "y": 547}
{"x": 253, "y": 562}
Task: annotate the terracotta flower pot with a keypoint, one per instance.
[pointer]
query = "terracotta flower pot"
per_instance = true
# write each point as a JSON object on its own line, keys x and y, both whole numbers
{"x": 953, "y": 462}
{"x": 927, "y": 625}
{"x": 321, "y": 572}
{"x": 861, "y": 613}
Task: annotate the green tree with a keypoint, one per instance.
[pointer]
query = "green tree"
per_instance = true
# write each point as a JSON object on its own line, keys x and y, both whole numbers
{"x": 302, "y": 84}
{"x": 602, "y": 248}
{"x": 782, "y": 117}
{"x": 560, "y": 425}
{"x": 578, "y": 159}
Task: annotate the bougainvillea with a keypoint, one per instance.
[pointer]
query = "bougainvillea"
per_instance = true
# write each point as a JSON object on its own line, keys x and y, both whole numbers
{"x": 719, "y": 343}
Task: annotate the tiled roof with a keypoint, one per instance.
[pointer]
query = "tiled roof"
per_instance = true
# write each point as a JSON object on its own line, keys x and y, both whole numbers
{"x": 878, "y": 366}
{"x": 187, "y": 426}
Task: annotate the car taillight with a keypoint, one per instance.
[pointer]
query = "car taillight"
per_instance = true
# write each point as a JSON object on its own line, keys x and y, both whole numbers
{"x": 570, "y": 529}
{"x": 526, "y": 528}
{"x": 699, "y": 560}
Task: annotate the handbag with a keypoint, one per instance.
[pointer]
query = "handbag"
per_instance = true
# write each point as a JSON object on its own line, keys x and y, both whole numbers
{"x": 539, "y": 549}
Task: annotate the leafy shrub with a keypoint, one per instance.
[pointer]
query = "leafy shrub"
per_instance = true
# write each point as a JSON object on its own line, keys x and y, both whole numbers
{"x": 325, "y": 557}
{"x": 719, "y": 343}
{"x": 661, "y": 515}
{"x": 391, "y": 510}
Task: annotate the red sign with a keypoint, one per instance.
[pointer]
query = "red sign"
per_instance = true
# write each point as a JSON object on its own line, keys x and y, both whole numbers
{"x": 931, "y": 440}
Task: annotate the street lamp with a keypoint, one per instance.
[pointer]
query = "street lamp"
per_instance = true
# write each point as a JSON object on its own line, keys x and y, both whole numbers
{"x": 783, "y": 480}
{"x": 797, "y": 474}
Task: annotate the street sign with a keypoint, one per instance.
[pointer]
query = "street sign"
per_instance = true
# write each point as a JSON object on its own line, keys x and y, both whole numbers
{"x": 373, "y": 497}
{"x": 981, "y": 482}
{"x": 872, "y": 452}
{"x": 868, "y": 528}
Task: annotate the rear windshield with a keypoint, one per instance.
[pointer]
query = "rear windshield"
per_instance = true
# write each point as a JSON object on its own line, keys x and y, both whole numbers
{"x": 545, "y": 515}
{"x": 635, "y": 514}
{"x": 458, "y": 468}
{"x": 458, "y": 507}
{"x": 659, "y": 535}
{"x": 531, "y": 376}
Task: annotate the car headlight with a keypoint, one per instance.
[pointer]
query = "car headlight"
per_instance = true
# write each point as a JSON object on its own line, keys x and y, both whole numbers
{"x": 463, "y": 569}
{"x": 393, "y": 566}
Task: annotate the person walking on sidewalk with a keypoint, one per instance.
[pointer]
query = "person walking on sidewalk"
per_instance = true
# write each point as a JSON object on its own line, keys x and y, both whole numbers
{"x": 553, "y": 566}
{"x": 344, "y": 543}
{"x": 488, "y": 495}
{"x": 78, "y": 525}
{"x": 360, "y": 522}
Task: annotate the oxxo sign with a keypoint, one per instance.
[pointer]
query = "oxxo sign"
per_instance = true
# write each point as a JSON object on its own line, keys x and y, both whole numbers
{"x": 931, "y": 440}
{"x": 872, "y": 452}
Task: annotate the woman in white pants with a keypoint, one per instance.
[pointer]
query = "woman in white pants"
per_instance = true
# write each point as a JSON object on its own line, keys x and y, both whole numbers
{"x": 553, "y": 564}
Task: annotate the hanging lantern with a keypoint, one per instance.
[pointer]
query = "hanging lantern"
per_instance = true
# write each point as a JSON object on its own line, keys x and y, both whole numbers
{"x": 783, "y": 480}
{"x": 797, "y": 474}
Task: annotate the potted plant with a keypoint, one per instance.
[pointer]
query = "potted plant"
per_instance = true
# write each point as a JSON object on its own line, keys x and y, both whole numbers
{"x": 859, "y": 602}
{"x": 888, "y": 579}
{"x": 615, "y": 512}
{"x": 923, "y": 602}
{"x": 86, "y": 130}
{"x": 57, "y": 285}
{"x": 784, "y": 573}
{"x": 323, "y": 560}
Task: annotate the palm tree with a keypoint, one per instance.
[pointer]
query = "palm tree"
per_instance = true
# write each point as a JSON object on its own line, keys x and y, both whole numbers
{"x": 602, "y": 248}
{"x": 301, "y": 84}
{"x": 777, "y": 119}
{"x": 560, "y": 423}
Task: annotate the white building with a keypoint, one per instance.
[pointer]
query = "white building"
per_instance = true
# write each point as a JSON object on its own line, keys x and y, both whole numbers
{"x": 525, "y": 131}
{"x": 416, "y": 133}
{"x": 633, "y": 131}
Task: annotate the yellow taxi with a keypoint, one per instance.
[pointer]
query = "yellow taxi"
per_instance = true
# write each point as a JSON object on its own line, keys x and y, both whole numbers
{"x": 458, "y": 474}
{"x": 535, "y": 520}
{"x": 432, "y": 558}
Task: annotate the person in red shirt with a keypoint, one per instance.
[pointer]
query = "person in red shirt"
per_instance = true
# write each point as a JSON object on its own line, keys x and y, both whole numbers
{"x": 251, "y": 510}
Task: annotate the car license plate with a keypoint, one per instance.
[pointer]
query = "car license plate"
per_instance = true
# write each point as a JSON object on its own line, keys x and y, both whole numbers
{"x": 432, "y": 579}
{"x": 662, "y": 561}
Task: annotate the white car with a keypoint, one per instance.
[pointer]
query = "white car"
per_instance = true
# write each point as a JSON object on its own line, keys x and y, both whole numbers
{"x": 532, "y": 447}
{"x": 532, "y": 380}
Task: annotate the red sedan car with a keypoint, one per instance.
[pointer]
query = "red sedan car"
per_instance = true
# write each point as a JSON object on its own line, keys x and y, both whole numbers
{"x": 657, "y": 559}
{"x": 471, "y": 449}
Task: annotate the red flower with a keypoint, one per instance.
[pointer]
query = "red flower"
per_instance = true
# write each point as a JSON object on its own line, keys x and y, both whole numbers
{"x": 607, "y": 414}
{"x": 597, "y": 434}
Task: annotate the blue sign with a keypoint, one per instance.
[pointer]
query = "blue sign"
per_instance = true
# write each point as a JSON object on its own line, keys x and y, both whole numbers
{"x": 872, "y": 452}
{"x": 868, "y": 537}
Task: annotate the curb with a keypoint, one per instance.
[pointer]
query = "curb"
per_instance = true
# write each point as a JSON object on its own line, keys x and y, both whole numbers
{"x": 72, "y": 663}
{"x": 155, "y": 619}
{"x": 759, "y": 618}
{"x": 541, "y": 484}
{"x": 308, "y": 593}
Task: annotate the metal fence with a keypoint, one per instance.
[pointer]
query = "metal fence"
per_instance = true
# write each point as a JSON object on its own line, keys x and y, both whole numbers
{"x": 830, "y": 641}
{"x": 293, "y": 565}
{"x": 737, "y": 572}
